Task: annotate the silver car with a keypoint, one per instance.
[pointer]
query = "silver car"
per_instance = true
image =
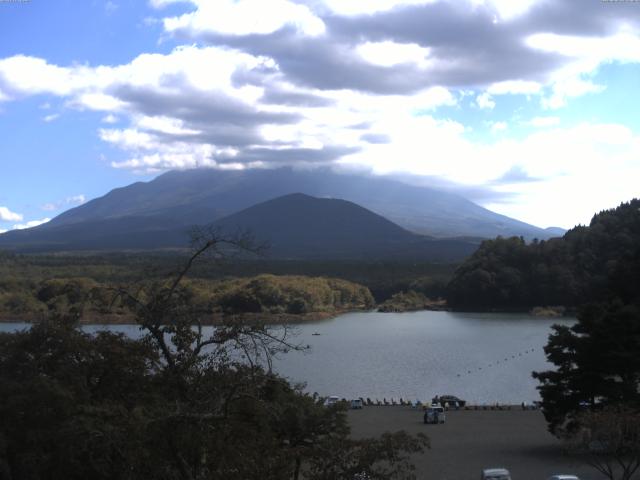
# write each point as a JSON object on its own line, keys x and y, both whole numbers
{"x": 495, "y": 474}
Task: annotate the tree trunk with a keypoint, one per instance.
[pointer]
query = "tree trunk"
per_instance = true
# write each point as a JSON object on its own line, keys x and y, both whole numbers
{"x": 296, "y": 472}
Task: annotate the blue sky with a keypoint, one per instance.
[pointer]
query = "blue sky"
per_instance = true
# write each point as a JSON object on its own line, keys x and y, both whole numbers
{"x": 503, "y": 101}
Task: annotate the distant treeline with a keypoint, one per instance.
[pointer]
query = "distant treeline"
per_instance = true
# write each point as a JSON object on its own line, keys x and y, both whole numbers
{"x": 33, "y": 284}
{"x": 588, "y": 264}
{"x": 268, "y": 294}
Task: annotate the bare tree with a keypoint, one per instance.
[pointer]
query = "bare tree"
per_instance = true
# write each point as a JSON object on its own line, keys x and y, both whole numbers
{"x": 175, "y": 324}
{"x": 609, "y": 439}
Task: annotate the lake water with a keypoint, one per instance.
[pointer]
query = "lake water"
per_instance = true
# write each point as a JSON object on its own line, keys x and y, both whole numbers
{"x": 483, "y": 358}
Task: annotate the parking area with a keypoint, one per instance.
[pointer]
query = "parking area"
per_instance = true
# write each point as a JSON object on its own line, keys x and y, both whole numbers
{"x": 471, "y": 440}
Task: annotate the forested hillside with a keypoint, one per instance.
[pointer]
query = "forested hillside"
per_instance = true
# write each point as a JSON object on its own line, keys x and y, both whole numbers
{"x": 264, "y": 294}
{"x": 588, "y": 264}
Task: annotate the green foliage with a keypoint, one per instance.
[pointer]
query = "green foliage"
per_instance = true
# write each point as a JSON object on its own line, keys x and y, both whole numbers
{"x": 27, "y": 275}
{"x": 291, "y": 294}
{"x": 588, "y": 264}
{"x": 406, "y": 302}
{"x": 597, "y": 364}
{"x": 262, "y": 294}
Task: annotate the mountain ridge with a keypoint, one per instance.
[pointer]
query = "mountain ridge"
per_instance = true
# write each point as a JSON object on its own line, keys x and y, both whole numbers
{"x": 204, "y": 195}
{"x": 296, "y": 226}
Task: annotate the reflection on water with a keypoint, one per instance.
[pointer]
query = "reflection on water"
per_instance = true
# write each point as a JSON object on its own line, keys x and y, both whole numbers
{"x": 483, "y": 358}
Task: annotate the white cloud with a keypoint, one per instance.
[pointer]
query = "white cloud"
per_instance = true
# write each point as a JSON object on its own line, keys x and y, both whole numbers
{"x": 165, "y": 3}
{"x": 86, "y": 86}
{"x": 584, "y": 55}
{"x": 162, "y": 124}
{"x": 514, "y": 87}
{"x": 498, "y": 127}
{"x": 360, "y": 7}
{"x": 570, "y": 87}
{"x": 567, "y": 161}
{"x": 110, "y": 119}
{"x": 76, "y": 199}
{"x": 7, "y": 215}
{"x": 543, "y": 122}
{"x": 243, "y": 17}
{"x": 69, "y": 201}
{"x": 485, "y": 101}
{"x": 97, "y": 101}
{"x": 215, "y": 105}
{"x": 509, "y": 9}
{"x": 51, "y": 118}
{"x": 30, "y": 224}
{"x": 388, "y": 54}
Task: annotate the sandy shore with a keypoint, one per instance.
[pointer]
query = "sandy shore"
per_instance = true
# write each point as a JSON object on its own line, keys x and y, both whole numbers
{"x": 472, "y": 440}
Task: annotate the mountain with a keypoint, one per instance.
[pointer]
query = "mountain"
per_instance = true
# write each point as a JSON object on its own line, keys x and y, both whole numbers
{"x": 202, "y": 196}
{"x": 295, "y": 226}
{"x": 555, "y": 231}
{"x": 301, "y": 226}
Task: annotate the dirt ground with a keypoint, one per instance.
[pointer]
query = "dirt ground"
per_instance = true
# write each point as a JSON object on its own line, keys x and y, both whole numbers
{"x": 471, "y": 440}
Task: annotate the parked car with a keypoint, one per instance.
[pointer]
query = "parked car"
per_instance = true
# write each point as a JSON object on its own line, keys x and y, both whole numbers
{"x": 356, "y": 404}
{"x": 434, "y": 414}
{"x": 332, "y": 401}
{"x": 563, "y": 477}
{"x": 495, "y": 474}
{"x": 452, "y": 400}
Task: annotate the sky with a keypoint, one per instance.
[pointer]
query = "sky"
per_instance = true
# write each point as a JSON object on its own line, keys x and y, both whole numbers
{"x": 527, "y": 107}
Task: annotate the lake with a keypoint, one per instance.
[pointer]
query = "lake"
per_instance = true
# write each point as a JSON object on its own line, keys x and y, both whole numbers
{"x": 481, "y": 357}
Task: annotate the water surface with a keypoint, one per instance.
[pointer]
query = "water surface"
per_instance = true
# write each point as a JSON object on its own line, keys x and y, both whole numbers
{"x": 484, "y": 358}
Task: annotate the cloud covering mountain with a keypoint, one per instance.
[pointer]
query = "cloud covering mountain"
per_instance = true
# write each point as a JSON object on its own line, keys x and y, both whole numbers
{"x": 488, "y": 97}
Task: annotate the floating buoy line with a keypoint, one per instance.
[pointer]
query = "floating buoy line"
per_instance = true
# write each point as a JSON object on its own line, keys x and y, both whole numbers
{"x": 497, "y": 363}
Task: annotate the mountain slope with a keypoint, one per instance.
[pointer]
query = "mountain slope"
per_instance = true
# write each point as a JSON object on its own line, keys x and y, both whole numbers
{"x": 300, "y": 226}
{"x": 201, "y": 196}
{"x": 295, "y": 226}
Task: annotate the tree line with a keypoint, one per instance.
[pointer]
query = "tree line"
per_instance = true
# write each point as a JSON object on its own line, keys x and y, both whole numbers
{"x": 591, "y": 398}
{"x": 266, "y": 294}
{"x": 589, "y": 263}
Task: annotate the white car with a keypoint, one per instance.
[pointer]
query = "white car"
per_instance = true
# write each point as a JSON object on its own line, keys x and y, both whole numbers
{"x": 332, "y": 401}
{"x": 356, "y": 404}
{"x": 563, "y": 477}
{"x": 495, "y": 474}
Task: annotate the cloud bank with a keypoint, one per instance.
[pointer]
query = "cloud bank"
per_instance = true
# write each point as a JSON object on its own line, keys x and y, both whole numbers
{"x": 260, "y": 83}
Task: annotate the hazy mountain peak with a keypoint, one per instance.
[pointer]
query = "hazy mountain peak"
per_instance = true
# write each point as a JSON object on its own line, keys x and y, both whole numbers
{"x": 203, "y": 195}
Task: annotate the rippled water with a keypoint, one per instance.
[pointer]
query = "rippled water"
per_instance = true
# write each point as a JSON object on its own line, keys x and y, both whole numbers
{"x": 484, "y": 358}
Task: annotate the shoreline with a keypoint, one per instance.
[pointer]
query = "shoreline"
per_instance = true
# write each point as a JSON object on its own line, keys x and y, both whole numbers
{"x": 212, "y": 320}
{"x": 283, "y": 318}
